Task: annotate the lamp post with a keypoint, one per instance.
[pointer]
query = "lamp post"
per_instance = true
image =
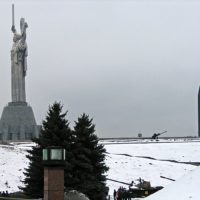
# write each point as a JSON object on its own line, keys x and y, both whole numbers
{"x": 54, "y": 161}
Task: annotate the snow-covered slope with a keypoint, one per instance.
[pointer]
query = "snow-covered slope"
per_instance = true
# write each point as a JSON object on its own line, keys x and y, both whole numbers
{"x": 127, "y": 162}
{"x": 12, "y": 164}
{"x": 186, "y": 188}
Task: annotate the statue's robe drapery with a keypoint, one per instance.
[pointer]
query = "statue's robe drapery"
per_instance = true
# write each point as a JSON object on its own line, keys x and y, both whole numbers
{"x": 18, "y": 68}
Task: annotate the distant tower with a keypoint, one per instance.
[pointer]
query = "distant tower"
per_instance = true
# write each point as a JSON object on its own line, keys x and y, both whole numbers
{"x": 199, "y": 113}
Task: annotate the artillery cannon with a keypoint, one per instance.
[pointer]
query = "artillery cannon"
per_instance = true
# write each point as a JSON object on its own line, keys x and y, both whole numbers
{"x": 155, "y": 135}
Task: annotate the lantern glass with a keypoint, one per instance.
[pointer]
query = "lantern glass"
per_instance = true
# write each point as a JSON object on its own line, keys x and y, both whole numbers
{"x": 45, "y": 154}
{"x": 56, "y": 154}
{"x": 64, "y": 154}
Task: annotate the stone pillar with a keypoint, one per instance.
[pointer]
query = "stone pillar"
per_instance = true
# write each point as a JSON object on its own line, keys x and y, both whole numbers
{"x": 53, "y": 183}
{"x": 22, "y": 132}
{"x": 4, "y": 132}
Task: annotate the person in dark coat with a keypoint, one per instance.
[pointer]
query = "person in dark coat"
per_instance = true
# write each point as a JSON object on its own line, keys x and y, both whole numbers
{"x": 114, "y": 194}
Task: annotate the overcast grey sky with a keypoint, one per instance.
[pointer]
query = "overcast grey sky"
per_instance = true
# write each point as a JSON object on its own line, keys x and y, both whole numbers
{"x": 133, "y": 66}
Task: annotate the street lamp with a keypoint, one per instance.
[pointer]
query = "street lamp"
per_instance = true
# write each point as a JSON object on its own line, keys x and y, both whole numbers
{"x": 53, "y": 156}
{"x": 54, "y": 161}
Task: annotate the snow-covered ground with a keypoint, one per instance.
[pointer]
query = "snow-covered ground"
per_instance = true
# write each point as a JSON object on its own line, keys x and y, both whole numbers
{"x": 127, "y": 162}
{"x": 12, "y": 164}
{"x": 186, "y": 188}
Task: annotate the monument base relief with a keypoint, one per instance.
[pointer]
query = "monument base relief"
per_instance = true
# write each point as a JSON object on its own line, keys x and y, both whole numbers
{"x": 18, "y": 122}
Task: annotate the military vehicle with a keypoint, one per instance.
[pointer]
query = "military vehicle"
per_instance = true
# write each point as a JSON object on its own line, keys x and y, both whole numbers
{"x": 135, "y": 190}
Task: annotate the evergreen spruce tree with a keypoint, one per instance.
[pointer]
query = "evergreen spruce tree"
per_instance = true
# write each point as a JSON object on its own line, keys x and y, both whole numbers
{"x": 55, "y": 132}
{"x": 89, "y": 166}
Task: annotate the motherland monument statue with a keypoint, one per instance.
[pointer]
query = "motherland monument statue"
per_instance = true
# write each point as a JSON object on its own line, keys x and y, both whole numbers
{"x": 17, "y": 120}
{"x": 19, "y": 54}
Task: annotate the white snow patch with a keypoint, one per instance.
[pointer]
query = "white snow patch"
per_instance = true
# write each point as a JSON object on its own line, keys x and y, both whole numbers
{"x": 129, "y": 168}
{"x": 122, "y": 159}
{"x": 12, "y": 163}
{"x": 186, "y": 188}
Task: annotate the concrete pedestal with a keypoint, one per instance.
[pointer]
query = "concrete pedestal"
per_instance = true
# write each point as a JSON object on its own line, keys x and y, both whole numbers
{"x": 18, "y": 122}
{"x": 53, "y": 183}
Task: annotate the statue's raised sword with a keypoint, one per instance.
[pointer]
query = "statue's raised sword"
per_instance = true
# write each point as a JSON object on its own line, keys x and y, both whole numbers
{"x": 13, "y": 15}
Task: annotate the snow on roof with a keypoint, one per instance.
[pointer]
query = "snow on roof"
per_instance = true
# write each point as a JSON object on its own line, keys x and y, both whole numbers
{"x": 185, "y": 188}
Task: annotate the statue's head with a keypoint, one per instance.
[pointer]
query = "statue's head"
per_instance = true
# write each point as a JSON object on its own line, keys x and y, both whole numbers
{"x": 16, "y": 37}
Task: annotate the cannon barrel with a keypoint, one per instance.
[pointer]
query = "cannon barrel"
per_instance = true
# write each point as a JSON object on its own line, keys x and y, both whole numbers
{"x": 129, "y": 184}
